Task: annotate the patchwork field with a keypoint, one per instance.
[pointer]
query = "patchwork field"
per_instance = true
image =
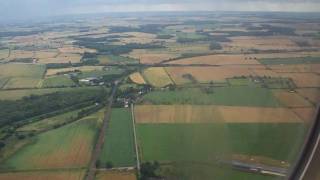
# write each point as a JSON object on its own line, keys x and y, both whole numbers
{"x": 290, "y": 99}
{"x": 228, "y": 96}
{"x": 137, "y": 78}
{"x": 118, "y": 148}
{"x": 212, "y": 114}
{"x": 115, "y": 175}
{"x": 48, "y": 175}
{"x": 66, "y": 147}
{"x": 217, "y": 60}
{"x": 111, "y": 59}
{"x": 157, "y": 76}
{"x": 57, "y": 81}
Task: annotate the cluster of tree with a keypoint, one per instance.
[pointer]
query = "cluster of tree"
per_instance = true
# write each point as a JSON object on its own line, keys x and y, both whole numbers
{"x": 28, "y": 107}
{"x": 149, "y": 170}
{"x": 164, "y": 36}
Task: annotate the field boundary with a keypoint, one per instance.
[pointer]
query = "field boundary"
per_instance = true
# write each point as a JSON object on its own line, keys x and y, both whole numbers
{"x": 135, "y": 138}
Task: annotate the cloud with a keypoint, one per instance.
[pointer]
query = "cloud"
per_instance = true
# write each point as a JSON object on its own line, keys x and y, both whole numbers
{"x": 17, "y": 9}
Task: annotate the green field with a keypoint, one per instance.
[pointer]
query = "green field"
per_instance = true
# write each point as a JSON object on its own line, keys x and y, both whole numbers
{"x": 112, "y": 59}
{"x": 230, "y": 96}
{"x": 4, "y": 53}
{"x": 68, "y": 146}
{"x": 18, "y": 94}
{"x": 58, "y": 81}
{"x": 298, "y": 60}
{"x": 183, "y": 143}
{"x": 100, "y": 73}
{"x": 3, "y": 81}
{"x": 50, "y": 122}
{"x": 119, "y": 145}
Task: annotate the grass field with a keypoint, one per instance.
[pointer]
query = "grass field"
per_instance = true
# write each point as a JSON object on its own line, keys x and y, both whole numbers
{"x": 48, "y": 175}
{"x": 20, "y": 82}
{"x": 3, "y": 81}
{"x": 298, "y": 60}
{"x": 65, "y": 147}
{"x": 57, "y": 81}
{"x": 205, "y": 142}
{"x": 111, "y": 59}
{"x": 116, "y": 175}
{"x": 119, "y": 146}
{"x": 50, "y": 122}
{"x": 212, "y": 114}
{"x": 18, "y": 94}
{"x": 22, "y": 70}
{"x": 229, "y": 96}
{"x": 99, "y": 73}
{"x": 4, "y": 53}
{"x": 157, "y": 77}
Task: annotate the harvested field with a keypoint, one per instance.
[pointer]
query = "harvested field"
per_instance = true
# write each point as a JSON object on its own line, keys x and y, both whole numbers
{"x": 20, "y": 54}
{"x": 137, "y": 78}
{"x": 19, "y": 83}
{"x": 262, "y": 43}
{"x": 62, "y": 58}
{"x": 151, "y": 57}
{"x": 47, "y": 175}
{"x": 212, "y": 114}
{"x": 290, "y": 99}
{"x": 303, "y": 79}
{"x": 306, "y": 114}
{"x": 51, "y": 72}
{"x": 45, "y": 54}
{"x": 157, "y": 76}
{"x": 216, "y": 60}
{"x": 312, "y": 94}
{"x": 22, "y": 70}
{"x": 4, "y": 53}
{"x": 116, "y": 175}
{"x": 75, "y": 50}
{"x": 296, "y": 68}
{"x": 206, "y": 74}
{"x": 67, "y": 147}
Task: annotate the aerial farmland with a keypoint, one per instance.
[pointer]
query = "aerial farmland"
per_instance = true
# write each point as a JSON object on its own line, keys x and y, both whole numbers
{"x": 161, "y": 96}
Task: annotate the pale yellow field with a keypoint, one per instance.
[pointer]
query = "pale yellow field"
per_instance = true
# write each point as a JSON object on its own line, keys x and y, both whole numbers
{"x": 157, "y": 77}
{"x": 291, "y": 99}
{"x": 45, "y": 54}
{"x": 137, "y": 78}
{"x": 43, "y": 175}
{"x": 116, "y": 175}
{"x": 51, "y": 72}
{"x": 304, "y": 79}
{"x": 312, "y": 94}
{"x": 262, "y": 43}
{"x": 138, "y": 37}
{"x": 212, "y": 114}
{"x": 148, "y": 57}
{"x": 207, "y": 74}
{"x": 217, "y": 60}
{"x": 62, "y": 58}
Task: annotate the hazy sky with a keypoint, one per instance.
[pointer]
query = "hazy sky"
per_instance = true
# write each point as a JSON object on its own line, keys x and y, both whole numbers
{"x": 17, "y": 9}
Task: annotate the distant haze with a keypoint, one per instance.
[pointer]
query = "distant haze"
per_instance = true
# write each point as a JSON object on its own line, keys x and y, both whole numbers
{"x": 21, "y": 9}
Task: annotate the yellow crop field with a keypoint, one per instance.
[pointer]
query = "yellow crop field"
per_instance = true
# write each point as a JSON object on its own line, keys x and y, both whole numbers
{"x": 62, "y": 58}
{"x": 116, "y": 175}
{"x": 137, "y": 78}
{"x": 157, "y": 76}
{"x": 47, "y": 175}
{"x": 19, "y": 83}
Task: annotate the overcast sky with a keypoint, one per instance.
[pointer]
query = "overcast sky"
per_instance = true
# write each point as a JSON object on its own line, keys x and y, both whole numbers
{"x": 19, "y": 9}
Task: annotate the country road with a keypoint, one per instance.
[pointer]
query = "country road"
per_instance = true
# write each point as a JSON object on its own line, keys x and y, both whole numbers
{"x": 100, "y": 141}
